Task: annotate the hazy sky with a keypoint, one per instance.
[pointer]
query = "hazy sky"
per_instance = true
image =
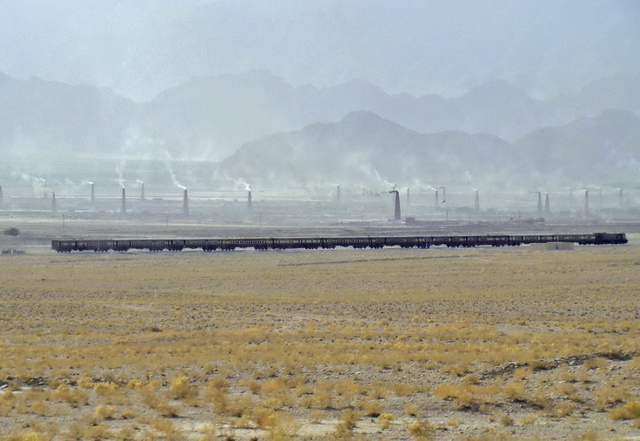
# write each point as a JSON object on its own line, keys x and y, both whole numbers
{"x": 140, "y": 47}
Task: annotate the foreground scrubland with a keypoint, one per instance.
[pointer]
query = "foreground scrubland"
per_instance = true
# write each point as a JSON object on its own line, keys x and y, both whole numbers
{"x": 375, "y": 344}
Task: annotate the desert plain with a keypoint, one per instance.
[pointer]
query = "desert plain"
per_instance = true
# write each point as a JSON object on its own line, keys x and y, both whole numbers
{"x": 391, "y": 344}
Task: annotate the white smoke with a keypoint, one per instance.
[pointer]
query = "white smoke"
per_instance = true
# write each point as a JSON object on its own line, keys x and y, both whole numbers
{"x": 166, "y": 160}
{"x": 120, "y": 170}
{"x": 39, "y": 185}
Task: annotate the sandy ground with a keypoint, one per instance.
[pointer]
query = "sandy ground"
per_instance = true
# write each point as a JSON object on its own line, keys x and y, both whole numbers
{"x": 386, "y": 344}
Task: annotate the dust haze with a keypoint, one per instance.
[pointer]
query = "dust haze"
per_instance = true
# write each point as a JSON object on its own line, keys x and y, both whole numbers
{"x": 500, "y": 104}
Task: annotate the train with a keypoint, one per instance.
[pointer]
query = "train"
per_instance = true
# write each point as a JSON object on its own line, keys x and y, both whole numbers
{"x": 273, "y": 243}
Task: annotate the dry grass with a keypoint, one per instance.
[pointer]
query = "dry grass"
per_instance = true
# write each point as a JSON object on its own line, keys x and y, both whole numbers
{"x": 424, "y": 344}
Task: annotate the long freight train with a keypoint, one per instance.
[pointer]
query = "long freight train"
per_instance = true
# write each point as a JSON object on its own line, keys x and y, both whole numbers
{"x": 66, "y": 246}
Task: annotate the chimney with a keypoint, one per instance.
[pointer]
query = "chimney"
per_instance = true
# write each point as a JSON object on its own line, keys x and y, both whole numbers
{"x": 397, "y": 214}
{"x": 547, "y": 207}
{"x": 436, "y": 201}
{"x": 249, "y": 199}
{"x": 185, "y": 203}
{"x": 123, "y": 208}
{"x": 408, "y": 198}
{"x": 586, "y": 203}
{"x": 477, "y": 203}
{"x": 93, "y": 193}
{"x": 142, "y": 191}
{"x": 539, "y": 202}
{"x": 619, "y": 196}
{"x": 338, "y": 194}
{"x": 53, "y": 203}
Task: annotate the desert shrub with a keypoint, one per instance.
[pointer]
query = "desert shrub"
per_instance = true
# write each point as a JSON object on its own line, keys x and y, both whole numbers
{"x": 561, "y": 410}
{"x": 181, "y": 388}
{"x": 411, "y": 409}
{"x": 105, "y": 412}
{"x": 447, "y": 391}
{"x": 466, "y": 401}
{"x": 596, "y": 363}
{"x": 73, "y": 396}
{"x": 28, "y": 435}
{"x": 346, "y": 424}
{"x": 529, "y": 419}
{"x": 105, "y": 388}
{"x": 384, "y": 420}
{"x": 372, "y": 409}
{"x": 514, "y": 391}
{"x": 421, "y": 430}
{"x": 610, "y": 394}
{"x": 589, "y": 435}
{"x": 97, "y": 432}
{"x": 628, "y": 411}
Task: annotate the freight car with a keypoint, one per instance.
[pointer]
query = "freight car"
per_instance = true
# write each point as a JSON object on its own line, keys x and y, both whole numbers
{"x": 66, "y": 246}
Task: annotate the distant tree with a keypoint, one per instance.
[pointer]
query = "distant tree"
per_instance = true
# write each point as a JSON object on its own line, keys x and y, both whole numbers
{"x": 13, "y": 231}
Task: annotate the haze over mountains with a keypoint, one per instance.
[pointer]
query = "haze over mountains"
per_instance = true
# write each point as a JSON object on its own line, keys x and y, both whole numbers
{"x": 353, "y": 130}
{"x": 543, "y": 47}
{"x": 296, "y": 93}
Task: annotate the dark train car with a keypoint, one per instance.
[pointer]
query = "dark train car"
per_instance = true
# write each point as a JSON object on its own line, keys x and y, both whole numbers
{"x": 406, "y": 241}
{"x": 377, "y": 242}
{"x": 256, "y": 243}
{"x": 296, "y": 242}
{"x": 63, "y": 246}
{"x": 121, "y": 245}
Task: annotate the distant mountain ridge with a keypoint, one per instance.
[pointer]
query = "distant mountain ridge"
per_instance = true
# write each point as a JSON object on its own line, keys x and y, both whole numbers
{"x": 605, "y": 148}
{"x": 278, "y": 124}
{"x": 48, "y": 118}
{"x": 364, "y": 149}
{"x": 226, "y": 111}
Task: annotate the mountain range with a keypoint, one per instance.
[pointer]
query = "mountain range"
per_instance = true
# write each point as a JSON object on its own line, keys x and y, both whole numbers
{"x": 262, "y": 128}
{"x": 364, "y": 149}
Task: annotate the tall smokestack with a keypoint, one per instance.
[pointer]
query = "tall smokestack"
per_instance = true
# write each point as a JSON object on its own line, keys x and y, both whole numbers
{"x": 539, "y": 202}
{"x": 185, "y": 203}
{"x": 53, "y": 203}
{"x": 123, "y": 208}
{"x": 547, "y": 207}
{"x": 619, "y": 193}
{"x": 397, "y": 215}
{"x": 142, "y": 191}
{"x": 436, "y": 201}
{"x": 249, "y": 202}
{"x": 93, "y": 193}
{"x": 586, "y": 203}
{"x": 477, "y": 203}
{"x": 338, "y": 197}
{"x": 408, "y": 198}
